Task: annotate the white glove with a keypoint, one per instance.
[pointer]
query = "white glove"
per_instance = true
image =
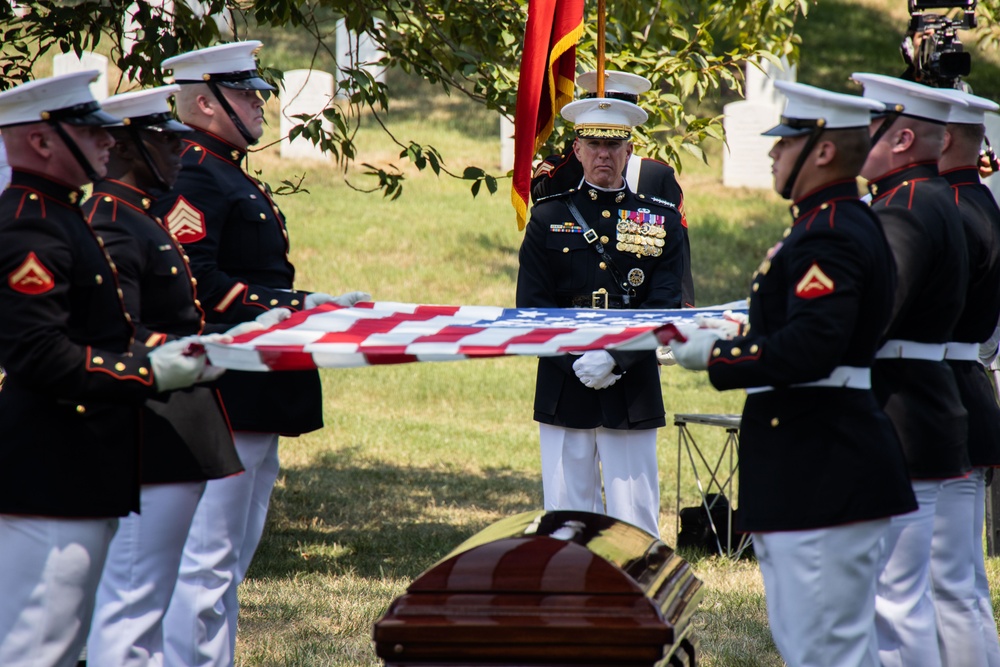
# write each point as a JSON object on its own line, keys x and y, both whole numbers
{"x": 265, "y": 320}
{"x": 351, "y": 298}
{"x": 344, "y": 300}
{"x": 210, "y": 372}
{"x": 988, "y": 348}
{"x": 729, "y": 326}
{"x": 245, "y": 328}
{"x": 693, "y": 354}
{"x": 665, "y": 355}
{"x": 609, "y": 380}
{"x": 593, "y": 366}
{"x": 179, "y": 363}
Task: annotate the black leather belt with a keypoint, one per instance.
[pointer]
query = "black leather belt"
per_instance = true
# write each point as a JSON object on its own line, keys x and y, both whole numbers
{"x": 598, "y": 299}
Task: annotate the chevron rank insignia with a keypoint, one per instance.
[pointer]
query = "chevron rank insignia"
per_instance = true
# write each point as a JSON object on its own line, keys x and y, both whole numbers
{"x": 543, "y": 168}
{"x": 31, "y": 277}
{"x": 186, "y": 222}
{"x": 814, "y": 283}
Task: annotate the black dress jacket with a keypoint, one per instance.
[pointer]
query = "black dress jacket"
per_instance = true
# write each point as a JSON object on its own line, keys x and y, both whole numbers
{"x": 558, "y": 173}
{"x": 981, "y": 219}
{"x": 237, "y": 242}
{"x": 819, "y": 456}
{"x": 924, "y": 228}
{"x": 75, "y": 380}
{"x": 560, "y": 269}
{"x": 185, "y": 434}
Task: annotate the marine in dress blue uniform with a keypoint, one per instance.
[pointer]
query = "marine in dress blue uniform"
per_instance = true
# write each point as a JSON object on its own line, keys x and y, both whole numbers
{"x": 186, "y": 437}
{"x": 912, "y": 382}
{"x": 601, "y": 408}
{"x": 237, "y": 242}
{"x": 75, "y": 376}
{"x": 967, "y": 630}
{"x": 652, "y": 178}
{"x": 821, "y": 470}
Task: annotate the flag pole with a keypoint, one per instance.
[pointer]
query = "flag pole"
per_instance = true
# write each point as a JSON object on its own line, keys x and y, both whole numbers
{"x": 600, "y": 46}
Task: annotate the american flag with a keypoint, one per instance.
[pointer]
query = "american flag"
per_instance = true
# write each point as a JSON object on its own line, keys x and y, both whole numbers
{"x": 384, "y": 332}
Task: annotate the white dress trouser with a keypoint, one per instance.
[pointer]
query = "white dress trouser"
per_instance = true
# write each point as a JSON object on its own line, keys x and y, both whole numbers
{"x": 571, "y": 478}
{"x": 984, "y": 599}
{"x": 820, "y": 589}
{"x": 904, "y": 609}
{"x": 49, "y": 569}
{"x": 139, "y": 577}
{"x": 953, "y": 574}
{"x": 200, "y": 626}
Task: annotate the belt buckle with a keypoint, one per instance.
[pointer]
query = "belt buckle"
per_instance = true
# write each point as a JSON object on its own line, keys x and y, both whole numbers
{"x": 590, "y": 236}
{"x": 597, "y": 297}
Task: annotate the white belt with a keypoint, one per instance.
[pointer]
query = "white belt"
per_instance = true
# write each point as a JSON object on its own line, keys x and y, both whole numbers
{"x": 962, "y": 351}
{"x": 846, "y": 377}
{"x": 911, "y": 349}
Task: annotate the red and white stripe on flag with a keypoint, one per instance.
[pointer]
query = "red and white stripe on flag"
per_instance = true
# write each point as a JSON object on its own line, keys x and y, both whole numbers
{"x": 394, "y": 333}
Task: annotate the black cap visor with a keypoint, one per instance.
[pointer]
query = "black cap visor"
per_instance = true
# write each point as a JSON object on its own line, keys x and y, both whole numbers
{"x": 785, "y": 131}
{"x": 88, "y": 113}
{"x": 161, "y": 122}
{"x": 794, "y": 127}
{"x": 169, "y": 125}
{"x": 251, "y": 82}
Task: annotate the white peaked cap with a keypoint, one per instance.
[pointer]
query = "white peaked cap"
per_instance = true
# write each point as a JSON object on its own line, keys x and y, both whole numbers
{"x": 232, "y": 65}
{"x": 809, "y": 107}
{"x": 918, "y": 101}
{"x": 615, "y": 82}
{"x": 603, "y": 118}
{"x": 66, "y": 98}
{"x": 146, "y": 108}
{"x": 974, "y": 113}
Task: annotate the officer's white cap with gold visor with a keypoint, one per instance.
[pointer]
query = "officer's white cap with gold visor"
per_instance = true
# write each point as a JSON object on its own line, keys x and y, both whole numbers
{"x": 809, "y": 108}
{"x": 603, "y": 118}
{"x": 229, "y": 65}
{"x": 65, "y": 98}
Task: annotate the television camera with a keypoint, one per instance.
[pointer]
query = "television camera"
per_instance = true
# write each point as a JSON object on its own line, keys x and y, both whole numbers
{"x": 931, "y": 48}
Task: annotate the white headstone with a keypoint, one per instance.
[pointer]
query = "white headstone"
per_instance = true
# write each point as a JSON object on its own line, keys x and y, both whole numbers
{"x": 745, "y": 163}
{"x": 304, "y": 91}
{"x": 506, "y": 144}
{"x": 4, "y": 166}
{"x": 993, "y": 134}
{"x": 358, "y": 52}
{"x": 65, "y": 63}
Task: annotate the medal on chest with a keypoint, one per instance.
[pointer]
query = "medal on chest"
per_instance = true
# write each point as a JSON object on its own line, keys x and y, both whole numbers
{"x": 640, "y": 232}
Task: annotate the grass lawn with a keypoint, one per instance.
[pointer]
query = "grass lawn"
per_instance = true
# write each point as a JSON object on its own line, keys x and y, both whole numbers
{"x": 416, "y": 458}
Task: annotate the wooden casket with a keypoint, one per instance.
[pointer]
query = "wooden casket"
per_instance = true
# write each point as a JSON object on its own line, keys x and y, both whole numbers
{"x": 547, "y": 588}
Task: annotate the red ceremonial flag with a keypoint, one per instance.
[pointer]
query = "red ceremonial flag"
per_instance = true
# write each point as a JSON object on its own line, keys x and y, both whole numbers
{"x": 548, "y": 68}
